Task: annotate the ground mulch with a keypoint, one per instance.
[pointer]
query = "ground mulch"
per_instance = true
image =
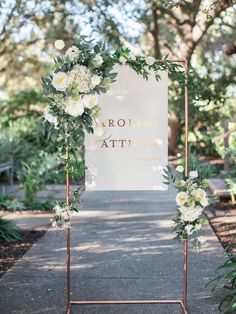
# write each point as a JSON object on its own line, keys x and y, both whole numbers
{"x": 11, "y": 252}
{"x": 222, "y": 217}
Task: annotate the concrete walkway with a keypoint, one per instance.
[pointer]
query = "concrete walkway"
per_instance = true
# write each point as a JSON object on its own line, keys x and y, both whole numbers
{"x": 122, "y": 248}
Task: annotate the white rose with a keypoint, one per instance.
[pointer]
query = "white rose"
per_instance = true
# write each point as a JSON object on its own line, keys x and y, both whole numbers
{"x": 193, "y": 174}
{"x": 204, "y": 202}
{"x": 189, "y": 229}
{"x": 96, "y": 80}
{"x": 51, "y": 119}
{"x": 122, "y": 60}
{"x": 60, "y": 81}
{"x": 97, "y": 60}
{"x": 181, "y": 198}
{"x": 90, "y": 101}
{"x": 201, "y": 195}
{"x": 74, "y": 108}
{"x": 150, "y": 60}
{"x": 180, "y": 168}
{"x": 72, "y": 52}
{"x": 59, "y": 44}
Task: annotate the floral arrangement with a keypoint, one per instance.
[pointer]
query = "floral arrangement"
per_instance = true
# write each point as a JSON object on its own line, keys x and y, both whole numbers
{"x": 61, "y": 218}
{"x": 191, "y": 199}
{"x": 79, "y": 74}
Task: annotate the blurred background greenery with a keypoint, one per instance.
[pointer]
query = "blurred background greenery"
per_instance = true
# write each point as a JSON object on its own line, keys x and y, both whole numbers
{"x": 202, "y": 32}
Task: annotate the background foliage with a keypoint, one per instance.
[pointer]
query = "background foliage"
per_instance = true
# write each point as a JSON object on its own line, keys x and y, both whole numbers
{"x": 202, "y": 32}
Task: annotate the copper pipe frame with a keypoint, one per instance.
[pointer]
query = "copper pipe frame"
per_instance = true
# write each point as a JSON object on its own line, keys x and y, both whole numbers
{"x": 183, "y": 304}
{"x": 68, "y": 307}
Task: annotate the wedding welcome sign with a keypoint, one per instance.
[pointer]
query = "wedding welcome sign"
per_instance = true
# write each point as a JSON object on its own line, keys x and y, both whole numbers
{"x": 129, "y": 147}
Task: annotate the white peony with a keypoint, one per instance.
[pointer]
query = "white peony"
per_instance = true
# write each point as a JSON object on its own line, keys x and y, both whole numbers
{"x": 97, "y": 60}
{"x": 150, "y": 60}
{"x": 59, "y": 44}
{"x": 193, "y": 174}
{"x": 60, "y": 81}
{"x": 80, "y": 76}
{"x": 74, "y": 107}
{"x": 189, "y": 229}
{"x": 90, "y": 101}
{"x": 72, "y": 52}
{"x": 180, "y": 169}
{"x": 181, "y": 198}
{"x": 191, "y": 213}
{"x": 201, "y": 195}
{"x": 123, "y": 60}
{"x": 96, "y": 80}
{"x": 51, "y": 119}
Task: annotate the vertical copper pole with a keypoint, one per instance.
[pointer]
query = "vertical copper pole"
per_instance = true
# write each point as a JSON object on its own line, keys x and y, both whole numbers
{"x": 186, "y": 173}
{"x": 68, "y": 234}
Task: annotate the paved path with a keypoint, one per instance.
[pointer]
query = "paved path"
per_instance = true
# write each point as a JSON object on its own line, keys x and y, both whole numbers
{"x": 122, "y": 248}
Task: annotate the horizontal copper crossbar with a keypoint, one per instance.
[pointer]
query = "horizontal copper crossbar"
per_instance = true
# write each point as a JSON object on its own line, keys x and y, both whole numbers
{"x": 180, "y": 302}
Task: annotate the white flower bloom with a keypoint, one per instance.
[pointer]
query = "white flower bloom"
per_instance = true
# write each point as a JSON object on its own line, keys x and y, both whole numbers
{"x": 189, "y": 229}
{"x": 193, "y": 174}
{"x": 58, "y": 209}
{"x": 201, "y": 195}
{"x": 90, "y": 101}
{"x": 150, "y": 60}
{"x": 132, "y": 56}
{"x": 123, "y": 60}
{"x": 180, "y": 169}
{"x": 74, "y": 107}
{"x": 59, "y": 44}
{"x": 81, "y": 77}
{"x": 191, "y": 213}
{"x": 96, "y": 80}
{"x": 97, "y": 60}
{"x": 72, "y": 52}
{"x": 61, "y": 218}
{"x": 51, "y": 119}
{"x": 60, "y": 81}
{"x": 181, "y": 198}
{"x": 204, "y": 202}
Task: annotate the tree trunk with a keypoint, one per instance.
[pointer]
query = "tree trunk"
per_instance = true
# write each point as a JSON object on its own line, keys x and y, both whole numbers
{"x": 155, "y": 33}
{"x": 226, "y": 146}
{"x": 173, "y": 133}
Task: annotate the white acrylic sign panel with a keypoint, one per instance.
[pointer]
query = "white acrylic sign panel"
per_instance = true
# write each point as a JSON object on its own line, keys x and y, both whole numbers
{"x": 131, "y": 150}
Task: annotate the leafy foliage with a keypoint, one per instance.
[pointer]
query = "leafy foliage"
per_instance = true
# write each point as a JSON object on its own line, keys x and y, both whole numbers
{"x": 35, "y": 173}
{"x": 7, "y": 203}
{"x": 226, "y": 278}
{"x": 8, "y": 231}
